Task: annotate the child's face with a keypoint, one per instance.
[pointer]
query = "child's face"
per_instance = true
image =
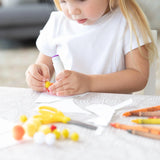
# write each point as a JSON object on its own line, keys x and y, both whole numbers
{"x": 85, "y": 12}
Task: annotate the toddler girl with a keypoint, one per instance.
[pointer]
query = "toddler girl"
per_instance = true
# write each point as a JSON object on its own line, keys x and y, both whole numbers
{"x": 105, "y": 46}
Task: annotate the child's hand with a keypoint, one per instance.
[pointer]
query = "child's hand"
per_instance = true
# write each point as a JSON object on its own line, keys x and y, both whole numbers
{"x": 70, "y": 83}
{"x": 36, "y": 76}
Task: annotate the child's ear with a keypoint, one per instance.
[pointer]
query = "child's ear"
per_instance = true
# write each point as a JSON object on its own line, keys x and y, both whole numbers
{"x": 57, "y": 4}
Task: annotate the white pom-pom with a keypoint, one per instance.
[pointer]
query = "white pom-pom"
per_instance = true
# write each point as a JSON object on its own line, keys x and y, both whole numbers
{"x": 50, "y": 139}
{"x": 39, "y": 138}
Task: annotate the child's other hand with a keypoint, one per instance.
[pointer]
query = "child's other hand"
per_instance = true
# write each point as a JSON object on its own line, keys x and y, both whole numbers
{"x": 70, "y": 83}
{"x": 36, "y": 75}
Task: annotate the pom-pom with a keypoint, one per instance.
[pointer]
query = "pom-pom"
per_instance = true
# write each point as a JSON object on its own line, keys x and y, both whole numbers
{"x": 53, "y": 127}
{"x": 50, "y": 139}
{"x": 18, "y": 132}
{"x": 65, "y": 133}
{"x": 45, "y": 129}
{"x": 30, "y": 128}
{"x": 57, "y": 133}
{"x": 23, "y": 118}
{"x": 39, "y": 138}
{"x": 74, "y": 136}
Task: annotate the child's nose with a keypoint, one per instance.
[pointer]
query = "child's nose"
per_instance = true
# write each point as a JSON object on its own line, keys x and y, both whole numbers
{"x": 73, "y": 10}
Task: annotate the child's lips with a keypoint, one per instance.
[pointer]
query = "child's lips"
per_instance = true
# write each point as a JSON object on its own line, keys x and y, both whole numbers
{"x": 81, "y": 21}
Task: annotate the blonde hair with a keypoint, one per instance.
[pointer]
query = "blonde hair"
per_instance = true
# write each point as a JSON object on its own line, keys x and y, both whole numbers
{"x": 133, "y": 13}
{"x": 56, "y": 2}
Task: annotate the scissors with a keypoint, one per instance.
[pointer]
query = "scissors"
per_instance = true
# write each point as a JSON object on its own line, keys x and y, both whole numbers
{"x": 51, "y": 115}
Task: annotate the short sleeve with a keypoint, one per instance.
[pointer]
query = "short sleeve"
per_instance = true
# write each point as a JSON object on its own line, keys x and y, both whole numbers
{"x": 45, "y": 41}
{"x": 130, "y": 44}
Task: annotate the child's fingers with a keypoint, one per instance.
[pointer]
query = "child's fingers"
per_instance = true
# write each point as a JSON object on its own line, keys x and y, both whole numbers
{"x": 37, "y": 76}
{"x": 63, "y": 75}
{"x": 58, "y": 85}
{"x": 45, "y": 72}
{"x": 39, "y": 89}
{"x": 34, "y": 83}
{"x": 69, "y": 92}
{"x": 36, "y": 72}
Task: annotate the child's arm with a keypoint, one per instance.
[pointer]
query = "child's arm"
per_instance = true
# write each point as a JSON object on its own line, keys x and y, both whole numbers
{"x": 40, "y": 72}
{"x": 133, "y": 78}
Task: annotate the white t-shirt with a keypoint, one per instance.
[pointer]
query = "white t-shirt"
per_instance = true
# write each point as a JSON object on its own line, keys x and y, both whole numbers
{"x": 90, "y": 49}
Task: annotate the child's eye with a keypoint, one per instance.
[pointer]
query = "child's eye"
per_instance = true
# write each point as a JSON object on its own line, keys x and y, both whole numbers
{"x": 62, "y": 1}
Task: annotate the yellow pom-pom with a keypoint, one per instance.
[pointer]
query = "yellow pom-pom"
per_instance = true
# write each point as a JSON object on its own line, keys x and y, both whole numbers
{"x": 45, "y": 129}
{"x": 65, "y": 133}
{"x": 23, "y": 118}
{"x": 30, "y": 129}
{"x": 37, "y": 123}
{"x": 47, "y": 84}
{"x": 74, "y": 136}
{"x": 57, "y": 133}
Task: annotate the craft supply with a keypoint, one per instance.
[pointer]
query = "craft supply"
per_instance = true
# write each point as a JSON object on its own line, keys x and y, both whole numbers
{"x": 37, "y": 122}
{"x": 32, "y": 126}
{"x": 48, "y": 84}
{"x": 146, "y": 121}
{"x": 148, "y": 129}
{"x": 149, "y": 114}
{"x": 135, "y": 112}
{"x": 18, "y": 132}
{"x": 50, "y": 139}
{"x": 50, "y": 115}
{"x": 65, "y": 133}
{"x": 23, "y": 118}
{"x": 88, "y": 126}
{"x": 44, "y": 129}
{"x": 57, "y": 133}
{"x": 57, "y": 63}
{"x": 144, "y": 134}
{"x": 104, "y": 113}
{"x": 30, "y": 129}
{"x": 74, "y": 136}
{"x": 39, "y": 138}
{"x": 53, "y": 127}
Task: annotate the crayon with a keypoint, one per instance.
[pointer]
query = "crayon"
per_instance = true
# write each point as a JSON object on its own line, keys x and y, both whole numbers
{"x": 147, "y": 121}
{"x": 144, "y": 134}
{"x": 134, "y": 112}
{"x": 153, "y": 130}
{"x": 148, "y": 114}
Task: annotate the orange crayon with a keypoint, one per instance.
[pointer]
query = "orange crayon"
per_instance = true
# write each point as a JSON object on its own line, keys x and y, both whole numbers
{"x": 136, "y": 112}
{"x": 153, "y": 130}
{"x": 149, "y": 114}
{"x": 144, "y": 134}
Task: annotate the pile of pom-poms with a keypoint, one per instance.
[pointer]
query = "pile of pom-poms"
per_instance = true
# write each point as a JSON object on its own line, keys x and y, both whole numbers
{"x": 41, "y": 134}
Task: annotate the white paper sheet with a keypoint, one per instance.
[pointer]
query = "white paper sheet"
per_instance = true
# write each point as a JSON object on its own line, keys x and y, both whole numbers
{"x": 65, "y": 106}
{"x": 104, "y": 112}
{"x": 45, "y": 97}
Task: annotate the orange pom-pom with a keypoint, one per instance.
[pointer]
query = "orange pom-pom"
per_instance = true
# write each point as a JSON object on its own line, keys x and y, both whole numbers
{"x": 18, "y": 132}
